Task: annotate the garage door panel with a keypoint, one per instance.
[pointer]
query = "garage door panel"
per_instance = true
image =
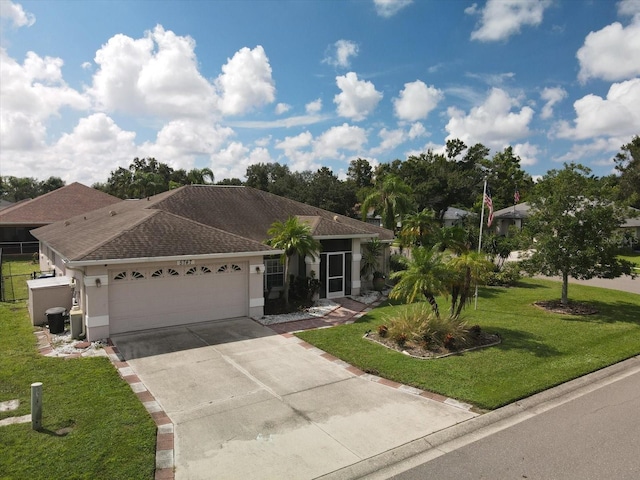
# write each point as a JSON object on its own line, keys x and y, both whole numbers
{"x": 142, "y": 303}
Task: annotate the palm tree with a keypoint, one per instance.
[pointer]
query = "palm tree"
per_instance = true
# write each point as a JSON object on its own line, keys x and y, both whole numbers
{"x": 426, "y": 275}
{"x": 392, "y": 197}
{"x": 417, "y": 227}
{"x": 468, "y": 269}
{"x": 294, "y": 237}
{"x": 199, "y": 176}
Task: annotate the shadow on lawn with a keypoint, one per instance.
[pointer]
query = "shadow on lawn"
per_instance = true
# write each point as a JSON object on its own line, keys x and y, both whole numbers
{"x": 519, "y": 340}
{"x": 608, "y": 312}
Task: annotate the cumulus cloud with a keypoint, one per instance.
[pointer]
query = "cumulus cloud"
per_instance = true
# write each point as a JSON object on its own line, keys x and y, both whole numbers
{"x": 416, "y": 101}
{"x": 612, "y": 53}
{"x": 341, "y": 52}
{"x": 313, "y": 107}
{"x": 390, "y": 139}
{"x": 158, "y": 75}
{"x": 282, "y": 108}
{"x": 15, "y": 14}
{"x": 492, "y": 123}
{"x": 388, "y": 8}
{"x": 417, "y": 130}
{"x": 31, "y": 93}
{"x": 245, "y": 82}
{"x": 501, "y": 19}
{"x": 358, "y": 97}
{"x": 528, "y": 153}
{"x": 305, "y": 152}
{"x": 232, "y": 161}
{"x": 617, "y": 114}
{"x": 551, "y": 95}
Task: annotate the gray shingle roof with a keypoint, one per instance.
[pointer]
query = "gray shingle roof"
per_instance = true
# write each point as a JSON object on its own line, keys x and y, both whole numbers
{"x": 65, "y": 202}
{"x": 191, "y": 220}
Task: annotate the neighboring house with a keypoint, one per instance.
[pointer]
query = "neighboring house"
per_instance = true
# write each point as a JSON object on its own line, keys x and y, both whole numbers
{"x": 17, "y": 220}
{"x": 4, "y": 204}
{"x": 513, "y": 216}
{"x": 193, "y": 254}
{"x": 632, "y": 226}
{"x": 455, "y": 216}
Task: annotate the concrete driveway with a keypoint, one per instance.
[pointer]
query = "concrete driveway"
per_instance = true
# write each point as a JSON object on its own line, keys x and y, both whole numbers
{"x": 248, "y": 403}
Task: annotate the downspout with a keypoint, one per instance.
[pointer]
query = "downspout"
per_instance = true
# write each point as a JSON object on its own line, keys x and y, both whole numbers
{"x": 74, "y": 302}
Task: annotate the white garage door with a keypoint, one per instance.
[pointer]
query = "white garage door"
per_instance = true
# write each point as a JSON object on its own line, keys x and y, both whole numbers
{"x": 177, "y": 295}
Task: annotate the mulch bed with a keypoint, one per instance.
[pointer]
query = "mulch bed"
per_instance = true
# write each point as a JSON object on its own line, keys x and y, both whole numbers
{"x": 572, "y": 308}
{"x": 482, "y": 340}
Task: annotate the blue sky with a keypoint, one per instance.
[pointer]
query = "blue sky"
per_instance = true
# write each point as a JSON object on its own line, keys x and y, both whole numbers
{"x": 87, "y": 86}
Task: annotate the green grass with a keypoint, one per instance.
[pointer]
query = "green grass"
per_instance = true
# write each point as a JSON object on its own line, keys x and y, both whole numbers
{"x": 16, "y": 270}
{"x": 633, "y": 257}
{"x": 538, "y": 350}
{"x": 111, "y": 434}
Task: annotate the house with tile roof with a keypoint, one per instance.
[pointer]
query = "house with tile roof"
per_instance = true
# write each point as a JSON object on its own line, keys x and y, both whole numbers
{"x": 18, "y": 219}
{"x": 196, "y": 253}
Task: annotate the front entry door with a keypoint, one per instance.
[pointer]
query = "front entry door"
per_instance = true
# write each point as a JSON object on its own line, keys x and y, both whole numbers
{"x": 335, "y": 275}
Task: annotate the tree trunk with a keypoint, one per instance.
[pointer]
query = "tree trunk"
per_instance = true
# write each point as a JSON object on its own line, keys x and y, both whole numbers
{"x": 432, "y": 301}
{"x": 286, "y": 281}
{"x": 565, "y": 288}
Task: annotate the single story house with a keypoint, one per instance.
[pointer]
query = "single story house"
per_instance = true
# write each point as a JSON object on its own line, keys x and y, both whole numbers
{"x": 192, "y": 254}
{"x": 17, "y": 220}
{"x": 455, "y": 216}
{"x": 513, "y": 216}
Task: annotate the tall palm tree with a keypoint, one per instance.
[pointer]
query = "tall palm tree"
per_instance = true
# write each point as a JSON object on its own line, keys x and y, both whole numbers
{"x": 294, "y": 237}
{"x": 467, "y": 269}
{"x": 391, "y": 197}
{"x": 417, "y": 227}
{"x": 199, "y": 176}
{"x": 426, "y": 276}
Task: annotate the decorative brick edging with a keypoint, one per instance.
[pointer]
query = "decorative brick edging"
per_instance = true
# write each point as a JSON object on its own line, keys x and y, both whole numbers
{"x": 374, "y": 378}
{"x": 165, "y": 453}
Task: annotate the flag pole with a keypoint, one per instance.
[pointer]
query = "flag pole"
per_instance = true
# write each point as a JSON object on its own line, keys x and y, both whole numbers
{"x": 484, "y": 194}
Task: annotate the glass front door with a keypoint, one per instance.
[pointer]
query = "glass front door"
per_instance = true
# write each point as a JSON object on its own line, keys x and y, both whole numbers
{"x": 335, "y": 275}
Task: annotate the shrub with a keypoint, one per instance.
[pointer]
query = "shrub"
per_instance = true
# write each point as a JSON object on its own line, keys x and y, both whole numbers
{"x": 383, "y": 330}
{"x": 418, "y": 324}
{"x": 507, "y": 276}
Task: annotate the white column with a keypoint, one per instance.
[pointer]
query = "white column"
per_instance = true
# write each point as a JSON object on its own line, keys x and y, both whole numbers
{"x": 356, "y": 256}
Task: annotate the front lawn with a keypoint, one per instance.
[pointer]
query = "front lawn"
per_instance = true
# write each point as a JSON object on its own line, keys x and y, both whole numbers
{"x": 633, "y": 257}
{"x": 93, "y": 424}
{"x": 538, "y": 349}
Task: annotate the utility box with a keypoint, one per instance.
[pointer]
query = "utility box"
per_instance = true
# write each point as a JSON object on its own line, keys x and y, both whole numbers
{"x": 75, "y": 320}
{"x": 45, "y": 293}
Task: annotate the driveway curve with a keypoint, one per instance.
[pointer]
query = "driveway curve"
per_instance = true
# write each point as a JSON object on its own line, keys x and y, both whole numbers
{"x": 249, "y": 403}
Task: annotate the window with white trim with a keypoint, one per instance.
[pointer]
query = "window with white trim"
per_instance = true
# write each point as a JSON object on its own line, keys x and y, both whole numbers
{"x": 274, "y": 273}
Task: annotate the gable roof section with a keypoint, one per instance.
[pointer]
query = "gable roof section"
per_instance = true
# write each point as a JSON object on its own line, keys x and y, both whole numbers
{"x": 65, "y": 202}
{"x": 521, "y": 210}
{"x": 191, "y": 220}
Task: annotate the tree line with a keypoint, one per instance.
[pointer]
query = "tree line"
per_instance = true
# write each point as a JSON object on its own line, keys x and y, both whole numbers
{"x": 431, "y": 181}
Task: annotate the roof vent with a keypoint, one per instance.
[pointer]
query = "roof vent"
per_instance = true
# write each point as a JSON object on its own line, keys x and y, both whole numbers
{"x": 335, "y": 218}
{"x": 112, "y": 213}
{"x": 67, "y": 223}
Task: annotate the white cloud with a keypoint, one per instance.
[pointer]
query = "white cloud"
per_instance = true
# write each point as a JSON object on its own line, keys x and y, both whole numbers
{"x": 595, "y": 148}
{"x": 16, "y": 14}
{"x": 502, "y": 18}
{"x": 416, "y": 101}
{"x": 629, "y": 7}
{"x": 551, "y": 95}
{"x": 617, "y": 114}
{"x": 390, "y": 139}
{"x": 492, "y": 123}
{"x": 154, "y": 75}
{"x": 528, "y": 153}
{"x": 612, "y": 53}
{"x": 158, "y": 75}
{"x": 341, "y": 56}
{"x": 235, "y": 158}
{"x": 388, "y": 8}
{"x": 246, "y": 82}
{"x": 417, "y": 130}
{"x": 282, "y": 108}
{"x": 314, "y": 107}
{"x": 358, "y": 98}
{"x": 31, "y": 94}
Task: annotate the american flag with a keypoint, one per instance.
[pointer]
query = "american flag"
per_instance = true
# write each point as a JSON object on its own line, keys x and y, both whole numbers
{"x": 489, "y": 203}
{"x": 516, "y": 196}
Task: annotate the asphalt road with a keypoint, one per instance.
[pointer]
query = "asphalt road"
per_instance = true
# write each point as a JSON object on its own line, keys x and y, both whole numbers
{"x": 593, "y": 436}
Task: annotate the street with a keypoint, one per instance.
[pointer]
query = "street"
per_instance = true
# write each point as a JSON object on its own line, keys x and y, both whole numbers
{"x": 592, "y": 436}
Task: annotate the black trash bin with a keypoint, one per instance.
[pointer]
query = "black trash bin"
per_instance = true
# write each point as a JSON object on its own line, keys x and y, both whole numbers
{"x": 55, "y": 319}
